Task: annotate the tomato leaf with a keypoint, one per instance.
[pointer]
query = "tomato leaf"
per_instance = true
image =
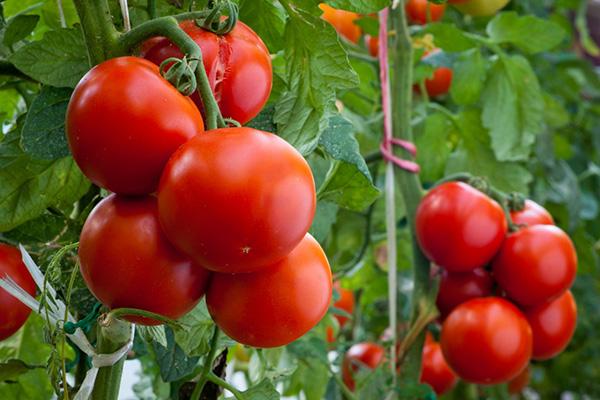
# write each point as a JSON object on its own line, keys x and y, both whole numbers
{"x": 359, "y": 6}
{"x": 174, "y": 364}
{"x": 433, "y": 146}
{"x": 153, "y": 334}
{"x": 19, "y": 28}
{"x": 512, "y": 108}
{"x": 468, "y": 76}
{"x": 325, "y": 217}
{"x": 42, "y": 229}
{"x": 263, "y": 391}
{"x": 508, "y": 27}
{"x": 264, "y": 120}
{"x": 313, "y": 347}
{"x": 311, "y": 377}
{"x": 409, "y": 390}
{"x": 449, "y": 38}
{"x": 196, "y": 342}
{"x": 59, "y": 59}
{"x": 44, "y": 134}
{"x": 13, "y": 368}
{"x": 266, "y": 19}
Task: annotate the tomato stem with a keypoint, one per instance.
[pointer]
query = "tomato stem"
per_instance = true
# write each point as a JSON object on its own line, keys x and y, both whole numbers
{"x": 207, "y": 368}
{"x": 99, "y": 31}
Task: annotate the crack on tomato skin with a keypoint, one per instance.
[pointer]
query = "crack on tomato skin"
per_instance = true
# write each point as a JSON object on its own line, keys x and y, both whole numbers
{"x": 221, "y": 64}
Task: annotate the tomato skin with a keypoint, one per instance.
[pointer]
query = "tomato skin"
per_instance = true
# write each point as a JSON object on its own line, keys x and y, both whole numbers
{"x": 13, "y": 313}
{"x": 458, "y": 287}
{"x": 536, "y": 264}
{"x": 518, "y": 383}
{"x": 553, "y": 325}
{"x": 126, "y": 261}
{"x": 532, "y": 214}
{"x": 238, "y": 66}
{"x": 373, "y": 45}
{"x": 276, "y": 305}
{"x": 416, "y": 11}
{"x": 218, "y": 203}
{"x": 365, "y": 354}
{"x": 459, "y": 227}
{"x": 480, "y": 8}
{"x": 346, "y": 303}
{"x": 486, "y": 341}
{"x": 434, "y": 369}
{"x": 123, "y": 123}
{"x": 342, "y": 21}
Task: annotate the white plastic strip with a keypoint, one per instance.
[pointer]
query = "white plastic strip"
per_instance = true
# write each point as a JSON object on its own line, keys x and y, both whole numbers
{"x": 125, "y": 12}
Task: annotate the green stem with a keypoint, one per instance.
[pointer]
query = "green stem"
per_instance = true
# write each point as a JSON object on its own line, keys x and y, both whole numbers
{"x": 224, "y": 384}
{"x": 7, "y": 68}
{"x": 99, "y": 31}
{"x": 151, "y": 9}
{"x": 207, "y": 369}
{"x": 111, "y": 339}
{"x": 118, "y": 312}
{"x": 345, "y": 389}
{"x": 501, "y": 198}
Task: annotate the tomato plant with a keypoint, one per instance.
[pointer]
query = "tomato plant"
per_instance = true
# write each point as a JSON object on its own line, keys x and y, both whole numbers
{"x": 13, "y": 313}
{"x": 435, "y": 371}
{"x": 480, "y": 8}
{"x": 422, "y": 11}
{"x": 277, "y": 305}
{"x": 127, "y": 262}
{"x": 343, "y": 22}
{"x": 217, "y": 206}
{"x": 486, "y": 341}
{"x": 459, "y": 227}
{"x": 535, "y": 264}
{"x": 361, "y": 355}
{"x": 123, "y": 123}
{"x": 458, "y": 287}
{"x": 532, "y": 214}
{"x": 238, "y": 66}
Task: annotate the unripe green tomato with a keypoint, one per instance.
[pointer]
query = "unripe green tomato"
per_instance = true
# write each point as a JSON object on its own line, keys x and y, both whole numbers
{"x": 481, "y": 8}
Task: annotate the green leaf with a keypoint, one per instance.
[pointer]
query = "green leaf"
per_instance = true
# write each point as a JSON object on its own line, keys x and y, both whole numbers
{"x": 264, "y": 120}
{"x": 44, "y": 134}
{"x": 59, "y": 59}
{"x": 153, "y": 334}
{"x": 433, "y": 146}
{"x": 474, "y": 155}
{"x": 449, "y": 38}
{"x": 19, "y": 28}
{"x": 13, "y": 368}
{"x": 311, "y": 377}
{"x": 265, "y": 18}
{"x": 174, "y": 364}
{"x": 530, "y": 34}
{"x": 369, "y": 25}
{"x": 359, "y": 6}
{"x": 42, "y": 229}
{"x": 196, "y": 342}
{"x": 555, "y": 113}
{"x": 313, "y": 347}
{"x": 316, "y": 65}
{"x": 325, "y": 217}
{"x": 263, "y": 391}
{"x": 467, "y": 77}
{"x": 410, "y": 389}
{"x": 512, "y": 108}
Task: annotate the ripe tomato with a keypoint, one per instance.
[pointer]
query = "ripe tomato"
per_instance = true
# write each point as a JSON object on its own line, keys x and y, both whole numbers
{"x": 126, "y": 261}
{"x": 535, "y": 265}
{"x": 434, "y": 369}
{"x": 342, "y": 21}
{"x": 13, "y": 313}
{"x": 486, "y": 341}
{"x": 480, "y": 8}
{"x": 361, "y": 355}
{"x": 346, "y": 303}
{"x": 123, "y": 123}
{"x": 238, "y": 66}
{"x": 553, "y": 325}
{"x": 236, "y": 199}
{"x": 532, "y": 214}
{"x": 416, "y": 11}
{"x": 458, "y": 227}
{"x": 440, "y": 83}
{"x": 276, "y": 305}
{"x": 458, "y": 287}
{"x": 373, "y": 45}
{"x": 519, "y": 382}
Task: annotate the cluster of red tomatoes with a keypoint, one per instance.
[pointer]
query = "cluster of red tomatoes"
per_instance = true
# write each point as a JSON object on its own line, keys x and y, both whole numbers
{"x": 489, "y": 337}
{"x": 223, "y": 212}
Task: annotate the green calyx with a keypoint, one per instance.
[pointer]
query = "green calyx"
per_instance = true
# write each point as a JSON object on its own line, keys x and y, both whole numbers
{"x": 214, "y": 23}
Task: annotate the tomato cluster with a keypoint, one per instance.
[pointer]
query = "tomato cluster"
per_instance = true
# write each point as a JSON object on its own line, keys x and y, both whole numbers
{"x": 232, "y": 206}
{"x": 345, "y": 303}
{"x": 490, "y": 340}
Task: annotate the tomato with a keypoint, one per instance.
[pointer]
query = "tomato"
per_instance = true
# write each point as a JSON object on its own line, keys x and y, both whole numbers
{"x": 126, "y": 261}
{"x": 434, "y": 369}
{"x": 238, "y": 66}
{"x": 236, "y": 199}
{"x": 439, "y": 84}
{"x": 535, "y": 265}
{"x": 416, "y": 11}
{"x": 486, "y": 341}
{"x": 277, "y": 305}
{"x": 123, "y": 123}
{"x": 458, "y": 227}
{"x": 553, "y": 325}
{"x": 480, "y": 8}
{"x": 373, "y": 45}
{"x": 342, "y": 21}
{"x": 519, "y": 382}
{"x": 361, "y": 355}
{"x": 532, "y": 214}
{"x": 458, "y": 287}
{"x": 13, "y": 313}
{"x": 346, "y": 303}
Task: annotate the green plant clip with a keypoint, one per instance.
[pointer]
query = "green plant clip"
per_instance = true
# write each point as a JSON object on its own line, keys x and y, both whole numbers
{"x": 85, "y": 323}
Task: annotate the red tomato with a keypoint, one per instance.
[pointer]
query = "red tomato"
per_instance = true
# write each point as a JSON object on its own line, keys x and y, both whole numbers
{"x": 458, "y": 227}
{"x": 274, "y": 306}
{"x": 518, "y": 383}
{"x": 238, "y": 66}
{"x": 346, "y": 303}
{"x": 126, "y": 261}
{"x": 440, "y": 83}
{"x": 416, "y": 11}
{"x": 372, "y": 45}
{"x": 13, "y": 313}
{"x": 458, "y": 287}
{"x": 434, "y": 369}
{"x": 342, "y": 21}
{"x": 553, "y": 325}
{"x": 236, "y": 199}
{"x": 535, "y": 265}
{"x": 532, "y": 214}
{"x": 123, "y": 123}
{"x": 361, "y": 355}
{"x": 486, "y": 341}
